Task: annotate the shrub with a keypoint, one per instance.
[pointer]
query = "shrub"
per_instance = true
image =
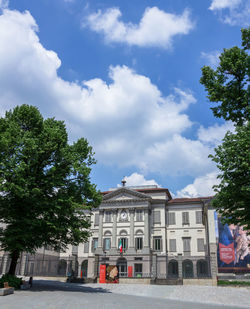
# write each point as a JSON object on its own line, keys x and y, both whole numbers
{"x": 13, "y": 281}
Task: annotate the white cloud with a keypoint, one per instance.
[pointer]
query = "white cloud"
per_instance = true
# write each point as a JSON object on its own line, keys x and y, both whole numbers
{"x": 136, "y": 179}
{"x": 156, "y": 27}
{"x": 202, "y": 186}
{"x": 214, "y": 134}
{"x": 211, "y": 58}
{"x": 223, "y": 4}
{"x": 129, "y": 122}
{"x": 4, "y": 4}
{"x": 232, "y": 12}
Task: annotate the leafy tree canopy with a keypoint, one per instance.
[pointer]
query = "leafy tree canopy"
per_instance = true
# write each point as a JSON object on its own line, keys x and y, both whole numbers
{"x": 229, "y": 83}
{"x": 233, "y": 193}
{"x": 44, "y": 183}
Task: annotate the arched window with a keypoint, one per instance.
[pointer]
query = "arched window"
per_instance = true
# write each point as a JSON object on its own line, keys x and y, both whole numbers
{"x": 107, "y": 233}
{"x": 173, "y": 269}
{"x": 61, "y": 269}
{"x": 123, "y": 233}
{"x": 139, "y": 232}
{"x": 187, "y": 269}
{"x": 84, "y": 268}
{"x": 202, "y": 268}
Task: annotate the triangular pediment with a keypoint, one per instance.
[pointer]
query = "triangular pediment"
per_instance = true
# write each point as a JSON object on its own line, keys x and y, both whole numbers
{"x": 125, "y": 194}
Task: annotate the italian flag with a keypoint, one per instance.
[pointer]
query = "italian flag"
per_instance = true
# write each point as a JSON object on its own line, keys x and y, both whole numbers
{"x": 120, "y": 246}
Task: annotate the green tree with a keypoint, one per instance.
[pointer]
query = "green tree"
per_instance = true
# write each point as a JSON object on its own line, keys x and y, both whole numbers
{"x": 45, "y": 184}
{"x": 232, "y": 157}
{"x": 229, "y": 84}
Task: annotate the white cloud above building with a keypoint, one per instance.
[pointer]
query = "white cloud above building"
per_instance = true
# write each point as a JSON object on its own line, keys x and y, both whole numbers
{"x": 127, "y": 120}
{"x": 232, "y": 12}
{"x": 202, "y": 186}
{"x": 136, "y": 179}
{"x": 156, "y": 28}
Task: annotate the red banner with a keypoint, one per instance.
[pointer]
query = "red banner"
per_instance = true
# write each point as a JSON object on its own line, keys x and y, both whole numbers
{"x": 130, "y": 271}
{"x": 102, "y": 278}
{"x": 227, "y": 253}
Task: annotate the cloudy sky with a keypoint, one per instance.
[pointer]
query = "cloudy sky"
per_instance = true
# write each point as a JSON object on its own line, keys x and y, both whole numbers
{"x": 125, "y": 75}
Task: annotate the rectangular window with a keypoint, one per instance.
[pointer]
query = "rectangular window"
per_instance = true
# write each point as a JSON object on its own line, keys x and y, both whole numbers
{"x": 106, "y": 244}
{"x": 157, "y": 216}
{"x": 86, "y": 247}
{"x": 108, "y": 216}
{"x": 171, "y": 218}
{"x": 172, "y": 245}
{"x": 138, "y": 270}
{"x": 200, "y": 245}
{"x": 138, "y": 243}
{"x": 139, "y": 215}
{"x": 185, "y": 218}
{"x": 94, "y": 244}
{"x": 96, "y": 219}
{"x": 198, "y": 217}
{"x": 74, "y": 249}
{"x": 124, "y": 243}
{"x": 157, "y": 245}
{"x": 186, "y": 245}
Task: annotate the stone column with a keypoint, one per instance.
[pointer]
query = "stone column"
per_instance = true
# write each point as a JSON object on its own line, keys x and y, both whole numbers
{"x": 100, "y": 233}
{"x": 114, "y": 231}
{"x": 132, "y": 231}
{"x": 131, "y": 249}
{"x": 23, "y": 264}
{"x": 146, "y": 248}
{"x": 180, "y": 265}
{"x": 79, "y": 269}
{"x": 5, "y": 262}
{"x": 213, "y": 261}
{"x": 195, "y": 268}
{"x": 154, "y": 267}
{"x": 114, "y": 247}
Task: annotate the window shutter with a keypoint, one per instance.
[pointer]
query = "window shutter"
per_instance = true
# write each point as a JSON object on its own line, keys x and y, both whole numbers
{"x": 186, "y": 244}
{"x": 198, "y": 217}
{"x": 185, "y": 218}
{"x": 171, "y": 218}
{"x": 200, "y": 245}
{"x": 86, "y": 247}
{"x": 172, "y": 245}
{"x": 96, "y": 219}
{"x": 160, "y": 244}
{"x": 92, "y": 245}
{"x": 157, "y": 216}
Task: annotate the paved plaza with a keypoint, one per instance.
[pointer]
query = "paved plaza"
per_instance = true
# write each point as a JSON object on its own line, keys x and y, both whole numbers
{"x": 56, "y": 295}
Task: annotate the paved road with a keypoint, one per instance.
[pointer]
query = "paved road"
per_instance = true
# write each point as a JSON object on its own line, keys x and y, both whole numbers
{"x": 50, "y": 295}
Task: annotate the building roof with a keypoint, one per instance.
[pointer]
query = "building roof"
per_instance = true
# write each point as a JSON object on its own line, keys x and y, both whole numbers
{"x": 188, "y": 200}
{"x": 145, "y": 190}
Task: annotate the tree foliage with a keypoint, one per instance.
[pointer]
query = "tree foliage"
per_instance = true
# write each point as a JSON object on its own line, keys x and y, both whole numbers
{"x": 45, "y": 184}
{"x": 233, "y": 193}
{"x": 229, "y": 84}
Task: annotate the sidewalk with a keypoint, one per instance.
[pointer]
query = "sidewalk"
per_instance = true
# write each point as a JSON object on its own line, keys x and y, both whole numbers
{"x": 235, "y": 297}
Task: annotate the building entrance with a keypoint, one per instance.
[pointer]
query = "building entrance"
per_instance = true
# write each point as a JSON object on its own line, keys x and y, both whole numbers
{"x": 122, "y": 267}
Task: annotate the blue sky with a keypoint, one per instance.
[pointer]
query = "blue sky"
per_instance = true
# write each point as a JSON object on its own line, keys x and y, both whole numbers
{"x": 125, "y": 75}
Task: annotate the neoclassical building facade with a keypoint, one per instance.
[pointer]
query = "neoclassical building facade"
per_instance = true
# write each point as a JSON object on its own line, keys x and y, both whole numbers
{"x": 160, "y": 237}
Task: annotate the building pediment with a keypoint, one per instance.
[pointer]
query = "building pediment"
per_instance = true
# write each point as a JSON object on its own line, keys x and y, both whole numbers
{"x": 124, "y": 194}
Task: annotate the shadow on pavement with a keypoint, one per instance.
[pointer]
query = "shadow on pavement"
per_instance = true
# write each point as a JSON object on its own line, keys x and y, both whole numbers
{"x": 46, "y": 285}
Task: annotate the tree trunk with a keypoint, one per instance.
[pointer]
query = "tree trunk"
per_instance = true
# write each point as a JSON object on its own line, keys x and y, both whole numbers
{"x": 14, "y": 257}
